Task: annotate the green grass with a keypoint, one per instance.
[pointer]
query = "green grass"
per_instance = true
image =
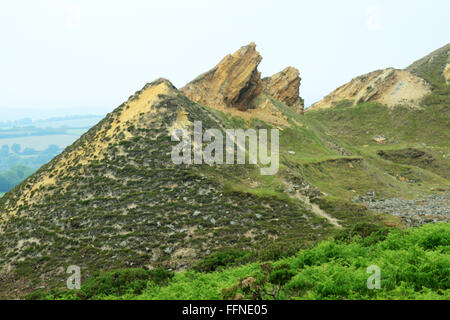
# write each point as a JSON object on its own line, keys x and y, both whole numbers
{"x": 414, "y": 264}
{"x": 431, "y": 68}
{"x": 358, "y": 125}
{"x": 328, "y": 155}
{"x": 414, "y": 161}
{"x": 1, "y": 194}
{"x": 347, "y": 178}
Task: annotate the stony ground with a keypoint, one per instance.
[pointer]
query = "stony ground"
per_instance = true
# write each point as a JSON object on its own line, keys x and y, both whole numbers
{"x": 434, "y": 208}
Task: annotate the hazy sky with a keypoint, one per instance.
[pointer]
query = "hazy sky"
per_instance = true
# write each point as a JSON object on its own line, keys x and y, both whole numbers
{"x": 78, "y": 57}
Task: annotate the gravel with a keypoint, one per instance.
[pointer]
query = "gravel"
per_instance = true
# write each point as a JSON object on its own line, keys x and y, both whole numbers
{"x": 434, "y": 208}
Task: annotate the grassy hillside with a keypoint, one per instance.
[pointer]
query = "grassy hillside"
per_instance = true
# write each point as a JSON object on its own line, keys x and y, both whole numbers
{"x": 413, "y": 264}
{"x": 415, "y": 158}
{"x": 431, "y": 66}
{"x": 115, "y": 200}
{"x": 123, "y": 203}
{"x": 137, "y": 194}
{"x": 400, "y": 126}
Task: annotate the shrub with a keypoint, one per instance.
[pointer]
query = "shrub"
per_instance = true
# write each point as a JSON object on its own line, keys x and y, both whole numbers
{"x": 124, "y": 281}
{"x": 219, "y": 259}
{"x": 371, "y": 233}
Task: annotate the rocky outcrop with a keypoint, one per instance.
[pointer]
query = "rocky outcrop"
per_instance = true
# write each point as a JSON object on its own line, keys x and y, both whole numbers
{"x": 390, "y": 87}
{"x": 236, "y": 83}
{"x": 285, "y": 87}
{"x": 446, "y": 73}
{"x": 233, "y": 83}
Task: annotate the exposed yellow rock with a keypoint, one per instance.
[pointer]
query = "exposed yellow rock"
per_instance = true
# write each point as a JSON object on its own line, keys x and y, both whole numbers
{"x": 235, "y": 86}
{"x": 285, "y": 87}
{"x": 390, "y": 87}
{"x": 234, "y": 82}
{"x": 379, "y": 139}
{"x": 446, "y": 73}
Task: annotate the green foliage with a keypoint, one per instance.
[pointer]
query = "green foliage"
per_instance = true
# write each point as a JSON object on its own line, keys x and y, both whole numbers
{"x": 219, "y": 260}
{"x": 414, "y": 264}
{"x": 161, "y": 276}
{"x": 369, "y": 233}
{"x": 265, "y": 285}
{"x": 112, "y": 283}
{"x": 431, "y": 67}
{"x": 36, "y": 295}
{"x": 281, "y": 275}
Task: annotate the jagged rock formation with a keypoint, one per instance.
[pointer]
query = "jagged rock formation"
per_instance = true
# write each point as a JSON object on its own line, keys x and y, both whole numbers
{"x": 285, "y": 86}
{"x": 233, "y": 83}
{"x": 236, "y": 83}
{"x": 390, "y": 87}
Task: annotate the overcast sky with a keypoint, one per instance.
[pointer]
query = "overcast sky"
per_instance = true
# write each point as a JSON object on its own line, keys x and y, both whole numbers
{"x": 74, "y": 57}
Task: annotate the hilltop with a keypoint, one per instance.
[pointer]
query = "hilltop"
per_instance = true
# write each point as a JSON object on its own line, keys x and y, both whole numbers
{"x": 392, "y": 87}
{"x": 433, "y": 66}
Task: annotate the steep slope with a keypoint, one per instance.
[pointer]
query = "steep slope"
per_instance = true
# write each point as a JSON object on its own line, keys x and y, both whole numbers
{"x": 434, "y": 66}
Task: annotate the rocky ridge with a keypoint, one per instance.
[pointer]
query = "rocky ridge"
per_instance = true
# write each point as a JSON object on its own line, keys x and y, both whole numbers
{"x": 236, "y": 83}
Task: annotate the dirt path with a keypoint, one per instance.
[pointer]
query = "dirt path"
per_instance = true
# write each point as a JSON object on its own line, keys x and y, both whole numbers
{"x": 316, "y": 209}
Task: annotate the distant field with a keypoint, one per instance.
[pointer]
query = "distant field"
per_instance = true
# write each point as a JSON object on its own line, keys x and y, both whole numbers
{"x": 71, "y": 123}
{"x": 42, "y": 142}
{"x": 77, "y": 132}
